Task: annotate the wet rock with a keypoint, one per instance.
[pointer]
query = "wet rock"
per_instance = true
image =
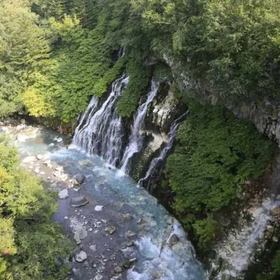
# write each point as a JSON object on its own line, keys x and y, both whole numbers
{"x": 29, "y": 159}
{"x": 58, "y": 139}
{"x": 126, "y": 216}
{"x": 98, "y": 208}
{"x": 79, "y": 201}
{"x": 129, "y": 263}
{"x": 173, "y": 239}
{"x": 118, "y": 269}
{"x": 276, "y": 211}
{"x": 85, "y": 162}
{"x": 130, "y": 233}
{"x": 110, "y": 229}
{"x": 63, "y": 194}
{"x": 81, "y": 256}
{"x": 78, "y": 179}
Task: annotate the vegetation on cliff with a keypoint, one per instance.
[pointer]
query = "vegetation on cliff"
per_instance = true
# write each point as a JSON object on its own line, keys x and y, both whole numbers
{"x": 215, "y": 154}
{"x": 31, "y": 246}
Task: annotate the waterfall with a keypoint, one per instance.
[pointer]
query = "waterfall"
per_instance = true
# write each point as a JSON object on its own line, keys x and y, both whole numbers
{"x": 100, "y": 132}
{"x": 237, "y": 251}
{"x": 135, "y": 139}
{"x": 164, "y": 152}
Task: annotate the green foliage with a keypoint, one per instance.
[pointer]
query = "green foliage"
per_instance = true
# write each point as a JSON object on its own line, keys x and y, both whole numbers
{"x": 139, "y": 77}
{"x": 30, "y": 244}
{"x": 22, "y": 49}
{"x": 79, "y": 67}
{"x": 215, "y": 154}
{"x": 206, "y": 231}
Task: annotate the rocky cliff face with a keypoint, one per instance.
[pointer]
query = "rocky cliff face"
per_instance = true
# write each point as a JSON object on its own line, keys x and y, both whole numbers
{"x": 164, "y": 110}
{"x": 265, "y": 114}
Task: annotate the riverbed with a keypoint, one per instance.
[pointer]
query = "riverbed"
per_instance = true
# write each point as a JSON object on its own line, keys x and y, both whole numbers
{"x": 120, "y": 230}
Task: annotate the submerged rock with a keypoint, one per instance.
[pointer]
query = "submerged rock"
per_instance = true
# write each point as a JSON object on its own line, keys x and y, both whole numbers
{"x": 81, "y": 256}
{"x": 79, "y": 201}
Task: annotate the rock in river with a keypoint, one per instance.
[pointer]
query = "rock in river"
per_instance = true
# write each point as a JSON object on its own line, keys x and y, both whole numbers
{"x": 173, "y": 239}
{"x": 81, "y": 256}
{"x": 78, "y": 179}
{"x": 79, "y": 201}
{"x": 63, "y": 194}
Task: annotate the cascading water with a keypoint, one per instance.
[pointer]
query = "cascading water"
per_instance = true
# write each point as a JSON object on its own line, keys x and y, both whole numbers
{"x": 237, "y": 251}
{"x": 136, "y": 140}
{"x": 163, "y": 154}
{"x": 100, "y": 132}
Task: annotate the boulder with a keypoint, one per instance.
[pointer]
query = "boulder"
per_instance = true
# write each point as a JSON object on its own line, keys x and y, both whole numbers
{"x": 81, "y": 256}
{"x": 78, "y": 179}
{"x": 173, "y": 239}
{"x": 79, "y": 201}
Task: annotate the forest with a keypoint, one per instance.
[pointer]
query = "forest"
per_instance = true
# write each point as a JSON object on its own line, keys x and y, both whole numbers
{"x": 55, "y": 55}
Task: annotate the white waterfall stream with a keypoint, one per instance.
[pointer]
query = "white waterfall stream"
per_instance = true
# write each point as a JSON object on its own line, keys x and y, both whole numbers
{"x": 164, "y": 152}
{"x": 135, "y": 139}
{"x": 102, "y": 132}
{"x": 237, "y": 251}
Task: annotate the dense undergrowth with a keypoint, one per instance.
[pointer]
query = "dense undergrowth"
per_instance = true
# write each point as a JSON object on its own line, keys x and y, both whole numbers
{"x": 214, "y": 156}
{"x": 31, "y": 245}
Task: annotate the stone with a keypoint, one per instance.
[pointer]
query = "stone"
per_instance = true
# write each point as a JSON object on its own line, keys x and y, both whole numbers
{"x": 276, "y": 211}
{"x": 92, "y": 248}
{"x": 63, "y": 194}
{"x": 78, "y": 179}
{"x": 110, "y": 229}
{"x": 173, "y": 239}
{"x": 79, "y": 201}
{"x": 85, "y": 162}
{"x": 58, "y": 139}
{"x": 223, "y": 221}
{"x": 126, "y": 216}
{"x": 39, "y": 157}
{"x": 98, "y": 208}
{"x": 29, "y": 159}
{"x": 81, "y": 256}
{"x": 275, "y": 239}
{"x": 130, "y": 233}
{"x": 118, "y": 269}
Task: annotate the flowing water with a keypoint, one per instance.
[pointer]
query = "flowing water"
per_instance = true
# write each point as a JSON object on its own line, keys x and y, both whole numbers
{"x": 135, "y": 139}
{"x": 164, "y": 152}
{"x": 113, "y": 196}
{"x": 100, "y": 131}
{"x": 237, "y": 251}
